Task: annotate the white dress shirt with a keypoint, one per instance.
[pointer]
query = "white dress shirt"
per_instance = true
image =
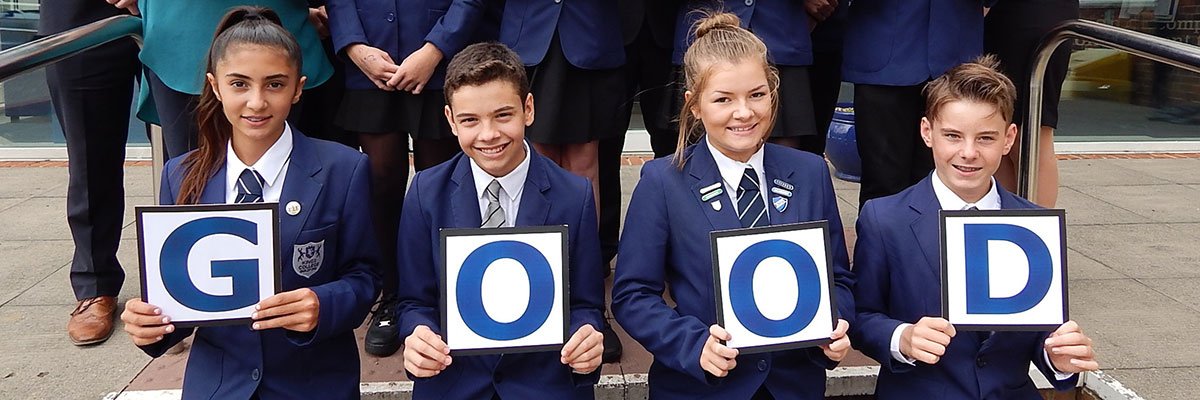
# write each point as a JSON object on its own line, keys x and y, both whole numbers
{"x": 511, "y": 187}
{"x": 950, "y": 201}
{"x": 733, "y": 170}
{"x": 272, "y": 166}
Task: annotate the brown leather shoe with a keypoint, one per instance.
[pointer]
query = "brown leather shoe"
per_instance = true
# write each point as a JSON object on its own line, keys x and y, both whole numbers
{"x": 92, "y": 320}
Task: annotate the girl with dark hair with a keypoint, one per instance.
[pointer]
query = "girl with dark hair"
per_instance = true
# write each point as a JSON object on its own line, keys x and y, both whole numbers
{"x": 301, "y": 342}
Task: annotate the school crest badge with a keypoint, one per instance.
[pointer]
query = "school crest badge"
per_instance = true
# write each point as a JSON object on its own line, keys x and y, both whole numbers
{"x": 307, "y": 258}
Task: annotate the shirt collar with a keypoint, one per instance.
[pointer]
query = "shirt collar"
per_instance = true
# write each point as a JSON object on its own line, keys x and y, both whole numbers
{"x": 270, "y": 165}
{"x": 732, "y": 170}
{"x": 512, "y": 183}
{"x": 950, "y": 201}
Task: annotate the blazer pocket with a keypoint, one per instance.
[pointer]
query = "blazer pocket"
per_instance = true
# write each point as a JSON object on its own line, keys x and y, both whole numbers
{"x": 314, "y": 252}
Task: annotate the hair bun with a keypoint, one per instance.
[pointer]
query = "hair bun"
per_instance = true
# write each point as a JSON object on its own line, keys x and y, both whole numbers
{"x": 716, "y": 21}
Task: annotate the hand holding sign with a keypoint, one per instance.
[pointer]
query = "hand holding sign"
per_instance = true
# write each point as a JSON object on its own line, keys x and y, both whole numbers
{"x": 425, "y": 354}
{"x": 926, "y": 341}
{"x": 1070, "y": 350}
{"x": 296, "y": 310}
{"x": 145, "y": 323}
{"x": 716, "y": 358}
{"x": 837, "y": 349}
{"x": 583, "y": 352}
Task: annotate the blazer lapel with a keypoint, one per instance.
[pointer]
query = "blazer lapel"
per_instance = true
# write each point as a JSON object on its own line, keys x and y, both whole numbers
{"x": 777, "y": 171}
{"x": 464, "y": 201}
{"x": 534, "y": 207}
{"x": 925, "y": 229}
{"x": 214, "y": 190}
{"x": 704, "y": 172}
{"x": 302, "y": 185}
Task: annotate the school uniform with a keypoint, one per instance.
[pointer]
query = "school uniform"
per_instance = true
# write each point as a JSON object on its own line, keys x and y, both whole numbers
{"x": 666, "y": 243}
{"x": 783, "y": 27}
{"x": 897, "y": 262}
{"x": 401, "y": 27}
{"x": 573, "y": 52}
{"x": 330, "y": 184}
{"x": 892, "y": 48}
{"x": 537, "y": 193}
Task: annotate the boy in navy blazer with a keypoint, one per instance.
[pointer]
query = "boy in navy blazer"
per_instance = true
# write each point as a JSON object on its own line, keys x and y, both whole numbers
{"x": 969, "y": 128}
{"x": 498, "y": 181}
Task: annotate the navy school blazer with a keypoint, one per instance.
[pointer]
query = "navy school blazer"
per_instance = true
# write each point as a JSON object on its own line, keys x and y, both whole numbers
{"x": 400, "y": 27}
{"x": 444, "y": 196}
{"x": 908, "y": 42}
{"x": 898, "y": 264}
{"x": 331, "y": 183}
{"x": 666, "y": 243}
{"x": 781, "y": 24}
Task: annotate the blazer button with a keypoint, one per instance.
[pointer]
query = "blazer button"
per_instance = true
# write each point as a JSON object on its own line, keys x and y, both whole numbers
{"x": 749, "y": 2}
{"x": 762, "y": 365}
{"x": 391, "y": 17}
{"x": 255, "y": 374}
{"x": 557, "y": 1}
{"x": 980, "y": 362}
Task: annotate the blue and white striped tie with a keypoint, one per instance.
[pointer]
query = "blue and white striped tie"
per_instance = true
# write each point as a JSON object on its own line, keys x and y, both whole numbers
{"x": 249, "y": 187}
{"x": 751, "y": 210}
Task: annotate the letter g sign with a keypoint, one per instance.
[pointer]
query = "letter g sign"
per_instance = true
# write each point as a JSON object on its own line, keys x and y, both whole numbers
{"x": 244, "y": 273}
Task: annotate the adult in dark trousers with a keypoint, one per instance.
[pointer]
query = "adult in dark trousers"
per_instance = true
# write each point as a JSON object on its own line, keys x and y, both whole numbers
{"x": 825, "y": 73}
{"x": 1012, "y": 31}
{"x": 892, "y": 48}
{"x": 91, "y": 93}
{"x": 648, "y": 28}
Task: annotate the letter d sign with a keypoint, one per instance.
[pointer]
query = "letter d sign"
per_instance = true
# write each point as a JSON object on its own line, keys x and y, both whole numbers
{"x": 1004, "y": 270}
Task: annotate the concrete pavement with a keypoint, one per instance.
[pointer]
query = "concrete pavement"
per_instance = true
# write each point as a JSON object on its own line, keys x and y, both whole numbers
{"x": 1133, "y": 230}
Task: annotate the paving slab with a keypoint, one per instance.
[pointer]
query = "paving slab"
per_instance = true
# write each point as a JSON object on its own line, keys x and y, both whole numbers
{"x": 1084, "y": 209}
{"x": 6, "y": 203}
{"x": 1135, "y": 326}
{"x": 1174, "y": 170}
{"x": 1159, "y": 383}
{"x": 1082, "y": 267}
{"x": 38, "y": 218}
{"x": 55, "y": 289}
{"x": 25, "y": 263}
{"x": 39, "y": 363}
{"x": 1139, "y": 250}
{"x": 1182, "y": 290}
{"x": 31, "y": 182}
{"x": 1074, "y": 173}
{"x": 1161, "y": 203}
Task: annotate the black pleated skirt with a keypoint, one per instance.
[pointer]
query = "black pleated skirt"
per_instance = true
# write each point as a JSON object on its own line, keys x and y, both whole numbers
{"x": 572, "y": 104}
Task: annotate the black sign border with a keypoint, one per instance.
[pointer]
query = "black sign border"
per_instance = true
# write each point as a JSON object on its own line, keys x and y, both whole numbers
{"x": 564, "y": 233}
{"x": 718, "y": 294}
{"x": 276, "y": 269}
{"x": 1061, "y": 214}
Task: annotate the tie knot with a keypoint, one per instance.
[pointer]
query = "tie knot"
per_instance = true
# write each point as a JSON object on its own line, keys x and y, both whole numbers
{"x": 749, "y": 180}
{"x": 970, "y": 207}
{"x": 250, "y": 187}
{"x": 493, "y": 190}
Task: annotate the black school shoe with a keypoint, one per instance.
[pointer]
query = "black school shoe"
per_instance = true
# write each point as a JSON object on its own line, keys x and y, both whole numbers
{"x": 612, "y": 346}
{"x": 382, "y": 338}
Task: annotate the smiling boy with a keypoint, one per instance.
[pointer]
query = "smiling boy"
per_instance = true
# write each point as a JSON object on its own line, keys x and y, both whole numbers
{"x": 497, "y": 181}
{"x": 968, "y": 125}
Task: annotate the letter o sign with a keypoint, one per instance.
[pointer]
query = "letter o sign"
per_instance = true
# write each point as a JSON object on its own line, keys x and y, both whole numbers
{"x": 741, "y": 288}
{"x": 470, "y": 290}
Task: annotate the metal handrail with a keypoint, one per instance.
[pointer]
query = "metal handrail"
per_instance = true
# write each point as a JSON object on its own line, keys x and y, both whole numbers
{"x": 1137, "y": 43}
{"x": 51, "y": 49}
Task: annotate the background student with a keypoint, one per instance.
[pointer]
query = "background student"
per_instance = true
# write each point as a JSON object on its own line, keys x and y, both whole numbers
{"x": 301, "y": 343}
{"x": 395, "y": 61}
{"x": 730, "y": 104}
{"x": 969, "y": 128}
{"x": 497, "y": 181}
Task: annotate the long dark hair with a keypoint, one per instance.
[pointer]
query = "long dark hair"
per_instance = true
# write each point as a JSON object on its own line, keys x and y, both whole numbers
{"x": 245, "y": 25}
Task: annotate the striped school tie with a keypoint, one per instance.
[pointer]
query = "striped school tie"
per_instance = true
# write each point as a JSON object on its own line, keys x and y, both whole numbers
{"x": 249, "y": 187}
{"x": 751, "y": 210}
{"x": 494, "y": 215}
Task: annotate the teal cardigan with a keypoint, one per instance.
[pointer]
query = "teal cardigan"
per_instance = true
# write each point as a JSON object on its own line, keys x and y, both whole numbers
{"x": 178, "y": 34}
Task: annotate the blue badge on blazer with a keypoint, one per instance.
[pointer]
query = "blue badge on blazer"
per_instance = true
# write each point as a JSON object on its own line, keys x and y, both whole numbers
{"x": 780, "y": 203}
{"x": 306, "y": 258}
{"x": 783, "y": 184}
